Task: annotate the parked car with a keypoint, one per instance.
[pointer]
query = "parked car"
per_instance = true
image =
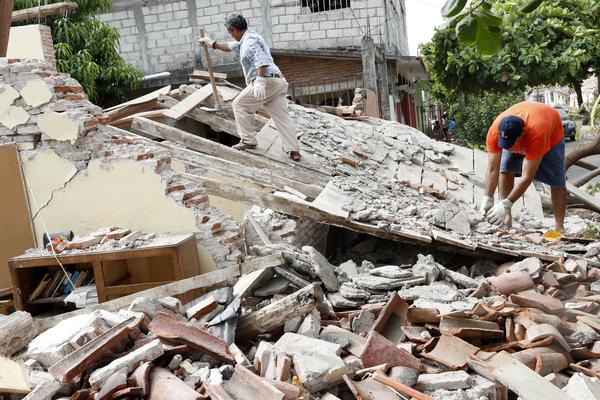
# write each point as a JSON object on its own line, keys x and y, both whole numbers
{"x": 569, "y": 127}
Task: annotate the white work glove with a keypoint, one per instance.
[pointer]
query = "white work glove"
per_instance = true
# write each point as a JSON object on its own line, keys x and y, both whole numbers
{"x": 207, "y": 41}
{"x": 497, "y": 214}
{"x": 486, "y": 205}
{"x": 260, "y": 88}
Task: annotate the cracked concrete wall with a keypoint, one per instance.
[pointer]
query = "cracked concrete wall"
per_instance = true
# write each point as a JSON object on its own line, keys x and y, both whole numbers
{"x": 104, "y": 194}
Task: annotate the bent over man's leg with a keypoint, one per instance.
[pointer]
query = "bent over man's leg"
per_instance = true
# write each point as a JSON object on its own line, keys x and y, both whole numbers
{"x": 244, "y": 107}
{"x": 277, "y": 107}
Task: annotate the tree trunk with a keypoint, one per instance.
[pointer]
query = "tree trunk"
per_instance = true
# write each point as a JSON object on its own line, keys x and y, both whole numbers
{"x": 577, "y": 87}
{"x": 6, "y": 7}
{"x": 589, "y": 149}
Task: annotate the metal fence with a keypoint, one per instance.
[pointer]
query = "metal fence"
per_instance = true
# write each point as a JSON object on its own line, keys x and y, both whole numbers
{"x": 333, "y": 91}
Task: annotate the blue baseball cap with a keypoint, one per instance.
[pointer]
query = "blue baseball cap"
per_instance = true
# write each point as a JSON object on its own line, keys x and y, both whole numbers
{"x": 509, "y": 130}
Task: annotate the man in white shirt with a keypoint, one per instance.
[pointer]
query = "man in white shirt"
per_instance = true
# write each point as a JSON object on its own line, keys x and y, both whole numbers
{"x": 265, "y": 86}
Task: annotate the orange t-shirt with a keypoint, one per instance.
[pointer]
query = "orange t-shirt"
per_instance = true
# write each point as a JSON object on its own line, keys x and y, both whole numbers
{"x": 542, "y": 131}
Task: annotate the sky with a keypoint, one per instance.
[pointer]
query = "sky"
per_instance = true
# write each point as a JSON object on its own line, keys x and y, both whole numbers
{"x": 422, "y": 17}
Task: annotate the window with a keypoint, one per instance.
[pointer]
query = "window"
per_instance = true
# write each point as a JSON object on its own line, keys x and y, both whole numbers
{"x": 325, "y": 5}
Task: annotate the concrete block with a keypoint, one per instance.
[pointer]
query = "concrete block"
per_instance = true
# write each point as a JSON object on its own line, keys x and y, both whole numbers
{"x": 319, "y": 370}
{"x": 311, "y": 326}
{"x": 291, "y": 343}
{"x": 452, "y": 380}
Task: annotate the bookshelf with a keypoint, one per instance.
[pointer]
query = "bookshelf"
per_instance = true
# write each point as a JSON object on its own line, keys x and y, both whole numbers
{"x": 39, "y": 284}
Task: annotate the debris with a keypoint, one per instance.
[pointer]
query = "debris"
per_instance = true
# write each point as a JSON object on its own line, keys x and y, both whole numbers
{"x": 16, "y": 331}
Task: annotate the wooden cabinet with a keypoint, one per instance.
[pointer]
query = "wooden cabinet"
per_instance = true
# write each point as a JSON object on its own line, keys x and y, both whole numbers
{"x": 116, "y": 272}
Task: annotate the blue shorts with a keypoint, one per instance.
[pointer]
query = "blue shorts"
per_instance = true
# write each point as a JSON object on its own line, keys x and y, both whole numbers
{"x": 551, "y": 170}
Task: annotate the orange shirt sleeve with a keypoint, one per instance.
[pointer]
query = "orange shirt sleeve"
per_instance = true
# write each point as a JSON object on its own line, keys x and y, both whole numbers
{"x": 491, "y": 140}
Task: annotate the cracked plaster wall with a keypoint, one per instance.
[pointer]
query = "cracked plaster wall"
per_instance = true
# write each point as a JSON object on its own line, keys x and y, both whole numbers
{"x": 123, "y": 193}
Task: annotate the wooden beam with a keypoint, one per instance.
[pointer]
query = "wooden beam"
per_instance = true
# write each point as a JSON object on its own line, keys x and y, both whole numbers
{"x": 42, "y": 11}
{"x": 154, "y": 115}
{"x": 142, "y": 99}
{"x": 215, "y": 122}
{"x": 154, "y": 129}
{"x": 582, "y": 195}
{"x": 270, "y": 317}
{"x": 585, "y": 165}
{"x": 203, "y": 281}
{"x": 6, "y": 7}
{"x": 582, "y": 180}
{"x": 180, "y": 109}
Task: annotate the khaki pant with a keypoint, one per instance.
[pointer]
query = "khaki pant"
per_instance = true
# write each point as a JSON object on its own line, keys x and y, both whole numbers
{"x": 276, "y": 104}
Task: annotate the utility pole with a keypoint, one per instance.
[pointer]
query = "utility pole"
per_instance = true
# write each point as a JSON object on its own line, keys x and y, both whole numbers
{"x": 6, "y": 7}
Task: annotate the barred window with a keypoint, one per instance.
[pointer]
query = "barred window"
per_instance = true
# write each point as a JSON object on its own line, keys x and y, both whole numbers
{"x": 325, "y": 5}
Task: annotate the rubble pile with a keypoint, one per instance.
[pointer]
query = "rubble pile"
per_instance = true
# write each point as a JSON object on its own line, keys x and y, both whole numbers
{"x": 294, "y": 326}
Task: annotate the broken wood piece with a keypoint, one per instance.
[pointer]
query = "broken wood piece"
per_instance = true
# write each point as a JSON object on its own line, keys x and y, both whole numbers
{"x": 131, "y": 360}
{"x": 125, "y": 122}
{"x": 180, "y": 109}
{"x": 213, "y": 120}
{"x": 79, "y": 360}
{"x": 16, "y": 331}
{"x": 152, "y": 96}
{"x": 276, "y": 314}
{"x": 128, "y": 392}
{"x": 295, "y": 279}
{"x": 452, "y": 352}
{"x": 272, "y": 260}
{"x": 200, "y": 74}
{"x": 406, "y": 390}
{"x": 295, "y": 193}
{"x": 13, "y": 376}
{"x": 46, "y": 10}
{"x": 166, "y": 386}
{"x": 167, "y": 327}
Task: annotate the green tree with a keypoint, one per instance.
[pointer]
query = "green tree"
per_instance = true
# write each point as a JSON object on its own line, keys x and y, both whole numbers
{"x": 87, "y": 49}
{"x": 558, "y": 43}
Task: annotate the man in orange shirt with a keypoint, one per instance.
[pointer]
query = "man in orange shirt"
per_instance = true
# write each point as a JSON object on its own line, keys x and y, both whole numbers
{"x": 525, "y": 141}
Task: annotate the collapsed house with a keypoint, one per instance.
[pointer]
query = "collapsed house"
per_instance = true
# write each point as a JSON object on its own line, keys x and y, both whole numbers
{"x": 364, "y": 271}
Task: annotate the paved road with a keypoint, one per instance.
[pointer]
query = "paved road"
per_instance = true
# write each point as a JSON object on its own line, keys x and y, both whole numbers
{"x": 575, "y": 171}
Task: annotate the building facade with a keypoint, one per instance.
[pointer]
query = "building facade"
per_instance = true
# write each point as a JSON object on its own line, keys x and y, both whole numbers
{"x": 317, "y": 43}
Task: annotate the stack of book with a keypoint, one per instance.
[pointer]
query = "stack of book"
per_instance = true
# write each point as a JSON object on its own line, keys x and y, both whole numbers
{"x": 56, "y": 284}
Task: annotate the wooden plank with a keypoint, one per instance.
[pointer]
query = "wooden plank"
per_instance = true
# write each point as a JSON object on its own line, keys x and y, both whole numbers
{"x": 155, "y": 129}
{"x": 446, "y": 238}
{"x": 583, "y": 196}
{"x": 142, "y": 99}
{"x": 119, "y": 290}
{"x": 204, "y": 281}
{"x": 199, "y": 74}
{"x": 154, "y": 115}
{"x": 272, "y": 260}
{"x": 13, "y": 376}
{"x": 43, "y": 11}
{"x": 180, "y": 109}
{"x": 275, "y": 314}
{"x": 211, "y": 119}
